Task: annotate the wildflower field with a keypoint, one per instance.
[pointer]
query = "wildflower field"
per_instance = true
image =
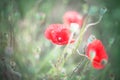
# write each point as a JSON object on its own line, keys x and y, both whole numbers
{"x": 59, "y": 40}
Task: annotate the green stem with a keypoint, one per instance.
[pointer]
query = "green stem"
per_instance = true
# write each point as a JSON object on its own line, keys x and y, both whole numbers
{"x": 62, "y": 59}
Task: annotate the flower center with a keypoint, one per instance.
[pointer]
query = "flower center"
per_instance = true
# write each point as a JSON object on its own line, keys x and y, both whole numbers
{"x": 59, "y": 39}
{"x": 92, "y": 54}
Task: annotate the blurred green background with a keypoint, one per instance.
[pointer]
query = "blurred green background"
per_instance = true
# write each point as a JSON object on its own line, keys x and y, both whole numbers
{"x": 25, "y": 53}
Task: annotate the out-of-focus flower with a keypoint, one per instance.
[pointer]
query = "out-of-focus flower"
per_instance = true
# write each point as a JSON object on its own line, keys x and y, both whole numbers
{"x": 72, "y": 17}
{"x": 58, "y": 34}
{"x": 96, "y": 53}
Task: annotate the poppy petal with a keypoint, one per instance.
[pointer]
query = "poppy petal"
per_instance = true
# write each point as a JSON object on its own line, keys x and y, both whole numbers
{"x": 72, "y": 17}
{"x": 58, "y": 34}
{"x": 100, "y": 53}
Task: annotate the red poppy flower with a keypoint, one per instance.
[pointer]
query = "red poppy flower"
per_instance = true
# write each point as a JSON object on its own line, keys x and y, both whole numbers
{"x": 58, "y": 34}
{"x": 72, "y": 17}
{"x": 97, "y": 54}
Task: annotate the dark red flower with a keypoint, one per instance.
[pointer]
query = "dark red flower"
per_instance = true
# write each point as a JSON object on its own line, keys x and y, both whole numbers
{"x": 58, "y": 34}
{"x": 72, "y": 17}
{"x": 97, "y": 54}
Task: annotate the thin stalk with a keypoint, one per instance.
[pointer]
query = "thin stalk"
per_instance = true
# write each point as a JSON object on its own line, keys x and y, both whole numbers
{"x": 61, "y": 58}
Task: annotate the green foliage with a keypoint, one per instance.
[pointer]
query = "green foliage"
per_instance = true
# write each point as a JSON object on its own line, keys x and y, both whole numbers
{"x": 36, "y": 58}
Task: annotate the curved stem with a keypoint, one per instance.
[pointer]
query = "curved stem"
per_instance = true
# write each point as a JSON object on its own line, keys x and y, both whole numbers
{"x": 80, "y": 53}
{"x": 91, "y": 24}
{"x": 83, "y": 31}
{"x": 62, "y": 58}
